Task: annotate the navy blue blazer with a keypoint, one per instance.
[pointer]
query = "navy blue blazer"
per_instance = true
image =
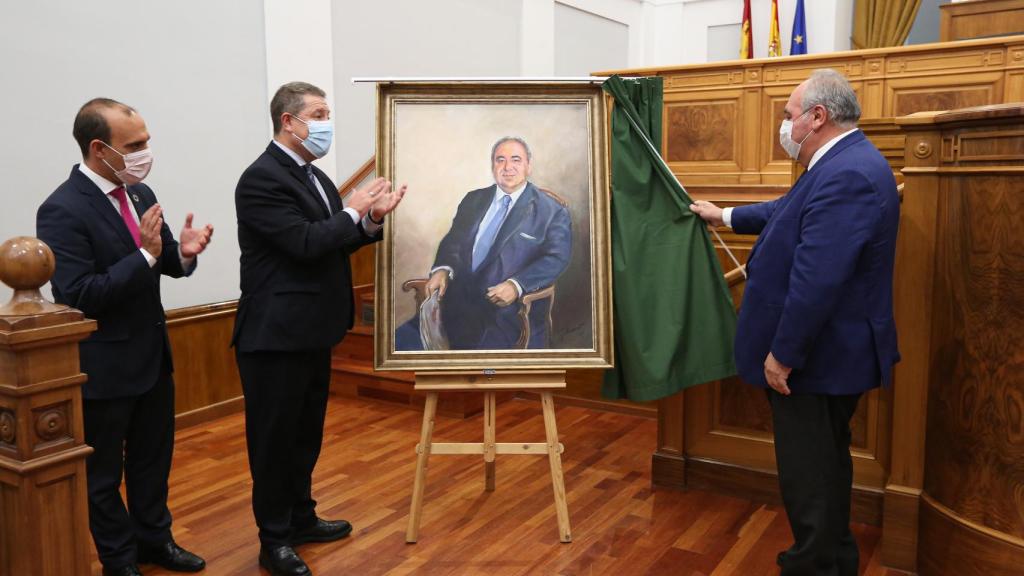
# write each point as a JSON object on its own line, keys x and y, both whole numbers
{"x": 533, "y": 247}
{"x": 820, "y": 276}
{"x": 296, "y": 279}
{"x": 101, "y": 272}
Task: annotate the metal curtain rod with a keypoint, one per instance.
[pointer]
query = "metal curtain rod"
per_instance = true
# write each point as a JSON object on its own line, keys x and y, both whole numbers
{"x": 356, "y": 80}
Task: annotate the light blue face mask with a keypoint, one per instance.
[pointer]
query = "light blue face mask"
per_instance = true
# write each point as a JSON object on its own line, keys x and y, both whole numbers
{"x": 321, "y": 132}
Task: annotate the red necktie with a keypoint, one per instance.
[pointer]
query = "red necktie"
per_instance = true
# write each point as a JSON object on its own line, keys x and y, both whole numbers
{"x": 126, "y": 214}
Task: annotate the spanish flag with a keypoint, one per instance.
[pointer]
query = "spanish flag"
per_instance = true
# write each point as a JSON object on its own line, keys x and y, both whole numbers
{"x": 774, "y": 43}
{"x": 746, "y": 35}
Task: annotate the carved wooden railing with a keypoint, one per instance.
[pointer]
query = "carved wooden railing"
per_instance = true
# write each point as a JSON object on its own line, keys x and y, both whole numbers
{"x": 44, "y": 526}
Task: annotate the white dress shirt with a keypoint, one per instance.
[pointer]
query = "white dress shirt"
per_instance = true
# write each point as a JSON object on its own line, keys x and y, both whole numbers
{"x": 369, "y": 226}
{"x": 492, "y": 210}
{"x": 727, "y": 212}
{"x": 106, "y": 186}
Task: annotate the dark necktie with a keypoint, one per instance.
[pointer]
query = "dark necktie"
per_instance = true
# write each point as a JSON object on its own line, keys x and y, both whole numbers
{"x": 312, "y": 182}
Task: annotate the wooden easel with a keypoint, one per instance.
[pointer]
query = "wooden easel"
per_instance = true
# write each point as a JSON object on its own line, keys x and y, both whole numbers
{"x": 489, "y": 383}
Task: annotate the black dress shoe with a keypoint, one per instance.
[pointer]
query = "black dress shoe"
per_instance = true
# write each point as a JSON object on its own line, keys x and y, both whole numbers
{"x": 283, "y": 561}
{"x": 171, "y": 556}
{"x": 128, "y": 570}
{"x": 321, "y": 531}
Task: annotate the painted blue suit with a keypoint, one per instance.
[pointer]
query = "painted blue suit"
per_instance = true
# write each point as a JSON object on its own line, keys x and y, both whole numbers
{"x": 532, "y": 247}
{"x": 819, "y": 291}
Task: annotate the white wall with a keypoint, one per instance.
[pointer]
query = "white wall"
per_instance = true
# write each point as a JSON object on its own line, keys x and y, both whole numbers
{"x": 576, "y": 52}
{"x": 199, "y": 83}
{"x": 829, "y": 23}
{"x": 412, "y": 38}
{"x": 202, "y": 73}
{"x": 300, "y": 48}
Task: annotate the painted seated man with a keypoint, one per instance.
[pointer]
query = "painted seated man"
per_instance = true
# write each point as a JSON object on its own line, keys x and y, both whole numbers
{"x": 506, "y": 240}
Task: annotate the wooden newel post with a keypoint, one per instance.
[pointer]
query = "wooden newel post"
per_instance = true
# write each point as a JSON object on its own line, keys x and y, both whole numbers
{"x": 44, "y": 518}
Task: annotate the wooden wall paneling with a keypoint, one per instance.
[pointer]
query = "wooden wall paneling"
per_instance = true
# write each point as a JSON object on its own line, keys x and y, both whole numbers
{"x": 752, "y": 131}
{"x": 206, "y": 380}
{"x": 890, "y": 141}
{"x": 912, "y": 293}
{"x": 1014, "y": 85}
{"x": 668, "y": 463}
{"x": 699, "y": 81}
{"x": 700, "y": 137}
{"x": 957, "y": 397}
{"x": 931, "y": 93}
{"x": 774, "y": 164}
{"x": 952, "y": 58}
{"x": 793, "y": 71}
{"x": 980, "y": 19}
{"x": 363, "y": 263}
{"x": 975, "y": 425}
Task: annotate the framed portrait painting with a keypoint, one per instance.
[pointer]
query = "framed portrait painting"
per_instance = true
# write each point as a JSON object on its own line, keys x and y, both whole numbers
{"x": 498, "y": 257}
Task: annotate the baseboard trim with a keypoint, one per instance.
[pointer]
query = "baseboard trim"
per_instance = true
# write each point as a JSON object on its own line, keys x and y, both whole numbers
{"x": 953, "y": 544}
{"x": 211, "y": 412}
{"x": 599, "y": 405}
{"x": 682, "y": 473}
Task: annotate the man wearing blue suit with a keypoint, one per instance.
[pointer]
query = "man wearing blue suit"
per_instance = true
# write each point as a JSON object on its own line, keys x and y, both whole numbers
{"x": 111, "y": 246}
{"x": 506, "y": 240}
{"x": 816, "y": 326}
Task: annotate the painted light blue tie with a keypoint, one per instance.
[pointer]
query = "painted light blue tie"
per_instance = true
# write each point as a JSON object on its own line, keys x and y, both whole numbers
{"x": 483, "y": 245}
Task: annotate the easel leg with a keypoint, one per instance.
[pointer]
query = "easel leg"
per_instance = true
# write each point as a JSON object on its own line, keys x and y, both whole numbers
{"x": 490, "y": 410}
{"x": 423, "y": 449}
{"x": 557, "y": 482}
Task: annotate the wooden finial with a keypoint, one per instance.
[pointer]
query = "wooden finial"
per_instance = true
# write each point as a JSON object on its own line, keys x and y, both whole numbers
{"x": 26, "y": 264}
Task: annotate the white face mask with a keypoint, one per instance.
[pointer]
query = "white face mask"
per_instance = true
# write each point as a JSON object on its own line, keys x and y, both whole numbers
{"x": 136, "y": 166}
{"x": 786, "y": 137}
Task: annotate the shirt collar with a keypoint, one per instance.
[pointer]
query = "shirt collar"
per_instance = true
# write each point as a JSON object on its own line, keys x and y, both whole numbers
{"x": 498, "y": 193}
{"x": 828, "y": 146}
{"x": 105, "y": 186}
{"x": 298, "y": 159}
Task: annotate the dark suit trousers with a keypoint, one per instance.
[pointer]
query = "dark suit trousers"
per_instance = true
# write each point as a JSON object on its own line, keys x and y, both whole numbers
{"x": 812, "y": 452}
{"x": 133, "y": 437}
{"x": 285, "y": 406}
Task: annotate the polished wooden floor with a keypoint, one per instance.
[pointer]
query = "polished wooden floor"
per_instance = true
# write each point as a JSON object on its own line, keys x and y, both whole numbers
{"x": 619, "y": 525}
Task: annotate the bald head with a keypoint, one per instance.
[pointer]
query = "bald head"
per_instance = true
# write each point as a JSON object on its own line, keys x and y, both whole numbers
{"x": 93, "y": 121}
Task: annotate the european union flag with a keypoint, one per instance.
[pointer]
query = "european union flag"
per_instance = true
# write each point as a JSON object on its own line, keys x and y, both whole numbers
{"x": 799, "y": 43}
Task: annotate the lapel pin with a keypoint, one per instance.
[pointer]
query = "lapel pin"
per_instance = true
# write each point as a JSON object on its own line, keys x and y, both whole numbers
{"x": 135, "y": 197}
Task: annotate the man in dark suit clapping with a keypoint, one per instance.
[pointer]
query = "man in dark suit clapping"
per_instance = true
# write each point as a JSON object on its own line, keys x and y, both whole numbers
{"x": 112, "y": 246}
{"x": 296, "y": 304}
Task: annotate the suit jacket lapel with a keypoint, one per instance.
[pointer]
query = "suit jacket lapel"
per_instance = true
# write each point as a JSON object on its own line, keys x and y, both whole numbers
{"x": 139, "y": 201}
{"x": 104, "y": 209}
{"x": 299, "y": 173}
{"x": 512, "y": 222}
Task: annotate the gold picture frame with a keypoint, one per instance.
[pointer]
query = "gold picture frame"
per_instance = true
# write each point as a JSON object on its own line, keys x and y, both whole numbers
{"x": 442, "y": 138}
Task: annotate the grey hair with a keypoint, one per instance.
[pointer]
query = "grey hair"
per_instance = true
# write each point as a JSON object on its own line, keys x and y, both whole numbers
{"x": 529, "y": 154}
{"x": 830, "y": 89}
{"x": 290, "y": 99}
